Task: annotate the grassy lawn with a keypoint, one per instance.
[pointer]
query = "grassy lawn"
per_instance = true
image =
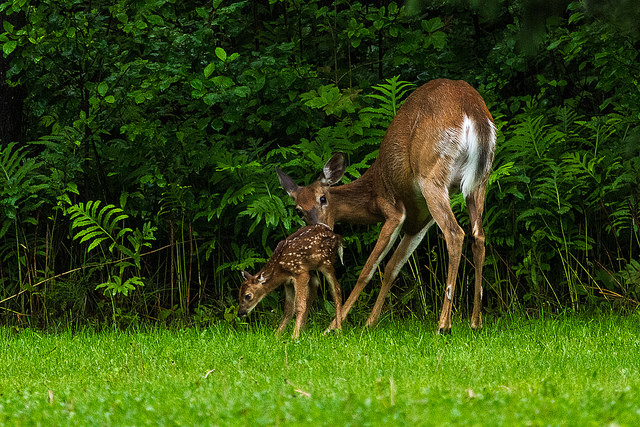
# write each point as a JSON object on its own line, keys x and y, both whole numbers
{"x": 562, "y": 371}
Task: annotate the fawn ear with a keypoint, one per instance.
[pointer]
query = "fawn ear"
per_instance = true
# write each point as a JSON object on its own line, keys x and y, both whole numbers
{"x": 333, "y": 170}
{"x": 286, "y": 182}
{"x": 245, "y": 275}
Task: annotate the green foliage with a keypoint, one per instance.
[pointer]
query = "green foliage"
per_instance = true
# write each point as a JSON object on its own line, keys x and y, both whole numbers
{"x": 391, "y": 93}
{"x": 20, "y": 185}
{"x": 178, "y": 112}
{"x": 116, "y": 286}
{"x": 94, "y": 224}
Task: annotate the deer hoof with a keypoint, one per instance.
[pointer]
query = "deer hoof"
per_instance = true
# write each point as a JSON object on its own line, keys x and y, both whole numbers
{"x": 331, "y": 331}
{"x": 444, "y": 331}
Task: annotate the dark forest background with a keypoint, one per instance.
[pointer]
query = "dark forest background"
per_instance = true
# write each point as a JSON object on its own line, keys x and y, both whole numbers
{"x": 138, "y": 141}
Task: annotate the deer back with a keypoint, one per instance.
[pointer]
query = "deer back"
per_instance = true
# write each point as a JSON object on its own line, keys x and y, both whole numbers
{"x": 442, "y": 133}
{"x": 309, "y": 248}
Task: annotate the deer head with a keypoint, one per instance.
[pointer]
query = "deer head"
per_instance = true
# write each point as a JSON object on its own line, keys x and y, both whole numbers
{"x": 313, "y": 202}
{"x": 252, "y": 291}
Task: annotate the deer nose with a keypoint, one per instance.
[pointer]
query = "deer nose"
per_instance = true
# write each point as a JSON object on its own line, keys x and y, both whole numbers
{"x": 242, "y": 313}
{"x": 313, "y": 215}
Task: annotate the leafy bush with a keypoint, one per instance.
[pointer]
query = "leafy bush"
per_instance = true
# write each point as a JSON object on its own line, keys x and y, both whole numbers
{"x": 178, "y": 112}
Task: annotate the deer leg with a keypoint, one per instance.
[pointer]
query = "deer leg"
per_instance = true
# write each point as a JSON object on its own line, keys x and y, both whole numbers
{"x": 330, "y": 274}
{"x": 407, "y": 245}
{"x": 388, "y": 235}
{"x": 289, "y": 300}
{"x": 314, "y": 284}
{"x": 475, "y": 203}
{"x": 439, "y": 206}
{"x": 300, "y": 283}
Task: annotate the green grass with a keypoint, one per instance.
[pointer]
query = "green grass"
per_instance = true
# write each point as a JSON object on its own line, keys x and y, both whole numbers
{"x": 563, "y": 371}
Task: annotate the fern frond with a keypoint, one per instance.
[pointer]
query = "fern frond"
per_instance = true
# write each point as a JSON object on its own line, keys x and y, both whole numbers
{"x": 4, "y": 227}
{"x": 95, "y": 224}
{"x": 10, "y": 160}
{"x": 232, "y": 197}
{"x": 19, "y": 179}
{"x": 269, "y": 209}
{"x": 392, "y": 93}
{"x": 95, "y": 243}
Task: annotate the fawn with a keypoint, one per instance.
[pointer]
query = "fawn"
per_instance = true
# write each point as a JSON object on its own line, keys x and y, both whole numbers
{"x": 313, "y": 247}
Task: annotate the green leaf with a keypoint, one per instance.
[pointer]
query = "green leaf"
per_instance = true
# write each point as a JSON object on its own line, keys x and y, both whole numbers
{"x": 9, "y": 46}
{"x": 5, "y": 227}
{"x": 223, "y": 82}
{"x": 122, "y": 17}
{"x": 220, "y": 53}
{"x": 439, "y": 40}
{"x": 242, "y": 91}
{"x": 95, "y": 243}
{"x": 103, "y": 88}
{"x": 432, "y": 25}
{"x": 576, "y": 17}
{"x": 211, "y": 98}
{"x": 139, "y": 98}
{"x": 110, "y": 99}
{"x": 155, "y": 20}
{"x": 209, "y": 69}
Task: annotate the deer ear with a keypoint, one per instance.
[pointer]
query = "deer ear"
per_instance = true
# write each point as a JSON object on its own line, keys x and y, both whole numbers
{"x": 286, "y": 182}
{"x": 333, "y": 170}
{"x": 262, "y": 279}
{"x": 245, "y": 275}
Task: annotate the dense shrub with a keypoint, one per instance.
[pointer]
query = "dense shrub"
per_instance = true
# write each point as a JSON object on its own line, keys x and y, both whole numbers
{"x": 142, "y": 175}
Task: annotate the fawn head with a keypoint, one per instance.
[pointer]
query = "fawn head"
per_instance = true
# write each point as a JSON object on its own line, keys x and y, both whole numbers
{"x": 313, "y": 202}
{"x": 252, "y": 291}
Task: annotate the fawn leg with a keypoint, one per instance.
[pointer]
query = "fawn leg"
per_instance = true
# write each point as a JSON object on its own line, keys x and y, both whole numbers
{"x": 289, "y": 300}
{"x": 300, "y": 283}
{"x": 314, "y": 284}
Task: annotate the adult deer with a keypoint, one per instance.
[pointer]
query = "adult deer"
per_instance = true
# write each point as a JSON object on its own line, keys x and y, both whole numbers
{"x": 313, "y": 247}
{"x": 442, "y": 136}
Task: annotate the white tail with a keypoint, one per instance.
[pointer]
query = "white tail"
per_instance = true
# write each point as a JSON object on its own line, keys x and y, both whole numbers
{"x": 311, "y": 248}
{"x": 443, "y": 136}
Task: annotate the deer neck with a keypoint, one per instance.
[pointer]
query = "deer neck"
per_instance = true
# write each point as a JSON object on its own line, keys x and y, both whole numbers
{"x": 271, "y": 270}
{"x": 271, "y": 276}
{"x": 355, "y": 202}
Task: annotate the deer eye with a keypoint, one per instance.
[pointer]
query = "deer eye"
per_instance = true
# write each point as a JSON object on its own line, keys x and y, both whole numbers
{"x": 248, "y": 297}
{"x": 323, "y": 200}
